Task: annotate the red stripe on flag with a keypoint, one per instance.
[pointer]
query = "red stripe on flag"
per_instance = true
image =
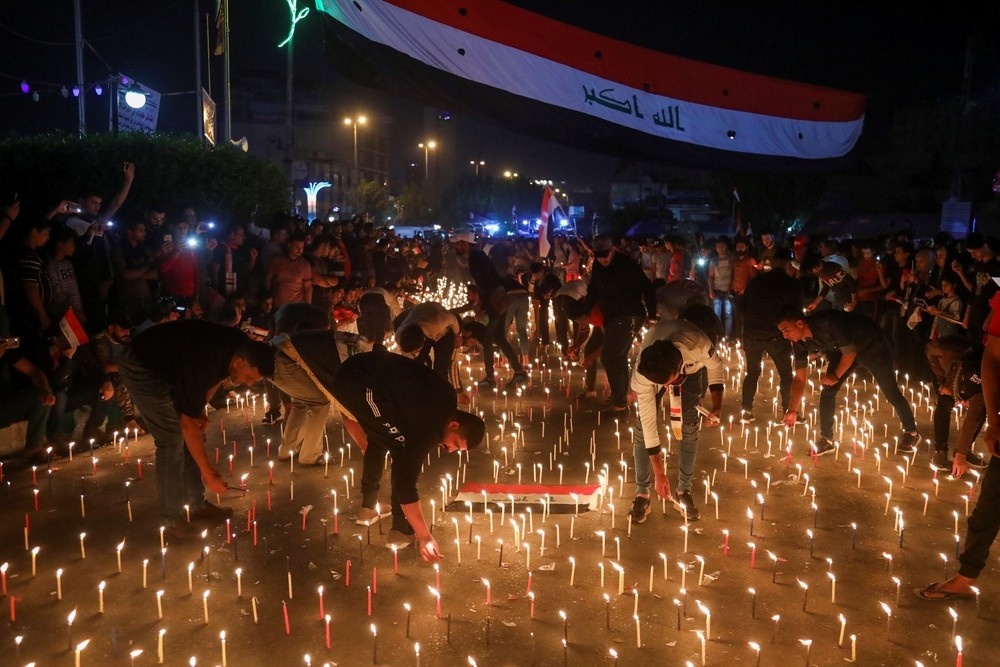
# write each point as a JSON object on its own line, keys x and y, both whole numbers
{"x": 638, "y": 67}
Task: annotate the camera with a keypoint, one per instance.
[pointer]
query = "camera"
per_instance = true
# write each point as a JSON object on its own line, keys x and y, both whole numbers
{"x": 192, "y": 243}
{"x": 168, "y": 238}
{"x": 11, "y": 343}
{"x": 74, "y": 208}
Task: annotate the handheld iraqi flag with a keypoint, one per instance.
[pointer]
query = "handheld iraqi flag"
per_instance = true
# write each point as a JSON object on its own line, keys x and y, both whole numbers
{"x": 549, "y": 206}
{"x": 70, "y": 336}
{"x": 676, "y": 412}
{"x": 560, "y": 499}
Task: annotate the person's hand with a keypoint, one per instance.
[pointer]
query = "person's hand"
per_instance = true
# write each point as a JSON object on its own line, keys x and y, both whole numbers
{"x": 791, "y": 418}
{"x": 429, "y": 550}
{"x": 45, "y": 321}
{"x": 714, "y": 418}
{"x": 48, "y": 398}
{"x": 213, "y": 481}
{"x": 848, "y": 307}
{"x": 956, "y": 266}
{"x": 992, "y": 436}
{"x": 811, "y": 306}
{"x": 107, "y": 391}
{"x": 959, "y": 466}
{"x": 196, "y": 309}
{"x": 202, "y": 423}
{"x": 829, "y": 380}
{"x": 11, "y": 211}
{"x": 211, "y": 244}
{"x": 128, "y": 171}
{"x": 253, "y": 254}
{"x": 945, "y": 391}
{"x": 662, "y": 486}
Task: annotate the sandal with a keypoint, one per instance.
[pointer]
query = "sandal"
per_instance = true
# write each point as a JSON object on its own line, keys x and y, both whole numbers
{"x": 931, "y": 593}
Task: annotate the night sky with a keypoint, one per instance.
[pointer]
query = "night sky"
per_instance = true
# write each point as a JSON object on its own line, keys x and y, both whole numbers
{"x": 896, "y": 54}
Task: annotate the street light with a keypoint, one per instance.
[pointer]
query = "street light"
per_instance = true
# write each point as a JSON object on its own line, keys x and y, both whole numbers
{"x": 427, "y": 146}
{"x": 477, "y": 164}
{"x": 360, "y": 120}
{"x": 510, "y": 174}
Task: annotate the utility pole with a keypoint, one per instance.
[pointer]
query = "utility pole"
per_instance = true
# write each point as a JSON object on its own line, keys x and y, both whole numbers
{"x": 227, "y": 84}
{"x": 200, "y": 121}
{"x": 81, "y": 103}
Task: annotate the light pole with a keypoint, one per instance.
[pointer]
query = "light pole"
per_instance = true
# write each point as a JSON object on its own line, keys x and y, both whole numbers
{"x": 427, "y": 146}
{"x": 477, "y": 164}
{"x": 360, "y": 120}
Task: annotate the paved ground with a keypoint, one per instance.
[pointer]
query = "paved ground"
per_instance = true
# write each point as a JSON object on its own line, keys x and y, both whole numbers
{"x": 503, "y": 633}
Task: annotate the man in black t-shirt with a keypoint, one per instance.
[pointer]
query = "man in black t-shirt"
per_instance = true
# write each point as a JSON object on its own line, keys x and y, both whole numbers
{"x": 171, "y": 371}
{"x": 393, "y": 404}
{"x": 846, "y": 340}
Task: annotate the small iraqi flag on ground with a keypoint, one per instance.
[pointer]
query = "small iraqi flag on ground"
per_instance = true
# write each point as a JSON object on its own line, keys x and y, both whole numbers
{"x": 561, "y": 499}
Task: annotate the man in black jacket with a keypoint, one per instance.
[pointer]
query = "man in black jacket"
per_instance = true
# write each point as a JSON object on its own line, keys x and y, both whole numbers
{"x": 375, "y": 392}
{"x": 171, "y": 371}
{"x": 847, "y": 340}
{"x": 627, "y": 299}
{"x": 768, "y": 294}
{"x": 493, "y": 297}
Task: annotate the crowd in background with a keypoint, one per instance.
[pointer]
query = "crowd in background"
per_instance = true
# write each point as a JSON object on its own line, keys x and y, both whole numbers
{"x": 120, "y": 266}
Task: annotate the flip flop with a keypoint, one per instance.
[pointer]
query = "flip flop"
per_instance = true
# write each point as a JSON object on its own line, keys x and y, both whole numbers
{"x": 931, "y": 593}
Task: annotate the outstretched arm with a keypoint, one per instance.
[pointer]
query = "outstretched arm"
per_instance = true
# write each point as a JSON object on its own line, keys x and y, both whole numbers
{"x": 128, "y": 173}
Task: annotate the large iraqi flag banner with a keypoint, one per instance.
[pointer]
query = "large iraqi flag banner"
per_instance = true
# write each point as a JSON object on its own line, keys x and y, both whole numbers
{"x": 549, "y": 79}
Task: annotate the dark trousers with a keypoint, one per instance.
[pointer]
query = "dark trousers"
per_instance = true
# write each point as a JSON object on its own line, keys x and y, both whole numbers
{"x": 541, "y": 307}
{"x": 942, "y": 421}
{"x": 878, "y": 362}
{"x": 375, "y": 320}
{"x": 82, "y": 392}
{"x": 619, "y": 335}
{"x": 444, "y": 350}
{"x": 178, "y": 478}
{"x": 371, "y": 481}
{"x": 495, "y": 336}
{"x": 25, "y": 404}
{"x": 780, "y": 351}
{"x": 983, "y": 523}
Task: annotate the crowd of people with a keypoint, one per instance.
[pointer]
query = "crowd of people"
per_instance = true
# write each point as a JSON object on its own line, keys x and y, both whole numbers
{"x": 83, "y": 278}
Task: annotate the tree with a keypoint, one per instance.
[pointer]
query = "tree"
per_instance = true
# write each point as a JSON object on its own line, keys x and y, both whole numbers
{"x": 412, "y": 207}
{"x": 369, "y": 198}
{"x": 222, "y": 182}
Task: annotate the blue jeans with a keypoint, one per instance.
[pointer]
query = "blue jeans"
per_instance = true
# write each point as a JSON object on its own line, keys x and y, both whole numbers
{"x": 178, "y": 479}
{"x": 619, "y": 335}
{"x": 723, "y": 307}
{"x": 691, "y": 393}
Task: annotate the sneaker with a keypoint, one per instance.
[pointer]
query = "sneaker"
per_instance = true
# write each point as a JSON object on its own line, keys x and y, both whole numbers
{"x": 908, "y": 443}
{"x": 182, "y": 532}
{"x": 685, "y": 505}
{"x": 487, "y": 383}
{"x": 940, "y": 460}
{"x": 824, "y": 446}
{"x": 271, "y": 417}
{"x": 211, "y": 514}
{"x": 975, "y": 460}
{"x": 640, "y": 509}
{"x": 366, "y": 517}
{"x": 518, "y": 378}
{"x": 399, "y": 539}
{"x": 747, "y": 417}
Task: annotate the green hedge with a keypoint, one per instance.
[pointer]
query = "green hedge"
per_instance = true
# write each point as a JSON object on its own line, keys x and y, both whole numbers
{"x": 221, "y": 183}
